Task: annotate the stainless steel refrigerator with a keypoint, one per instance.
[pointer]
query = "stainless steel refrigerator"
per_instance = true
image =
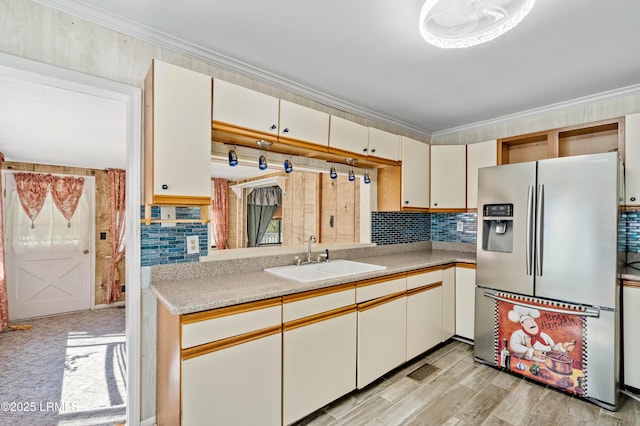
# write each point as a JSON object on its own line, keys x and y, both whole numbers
{"x": 548, "y": 262}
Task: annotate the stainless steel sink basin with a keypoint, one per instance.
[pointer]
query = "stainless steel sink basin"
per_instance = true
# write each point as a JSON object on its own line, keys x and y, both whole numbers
{"x": 323, "y": 271}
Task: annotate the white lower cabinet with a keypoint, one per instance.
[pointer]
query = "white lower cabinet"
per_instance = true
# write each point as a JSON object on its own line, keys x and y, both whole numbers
{"x": 424, "y": 311}
{"x": 631, "y": 317}
{"x": 319, "y": 351}
{"x": 239, "y": 385}
{"x": 448, "y": 302}
{"x": 465, "y": 300}
{"x": 382, "y": 334}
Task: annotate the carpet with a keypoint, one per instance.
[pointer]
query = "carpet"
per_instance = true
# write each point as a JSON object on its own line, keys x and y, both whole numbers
{"x": 66, "y": 370}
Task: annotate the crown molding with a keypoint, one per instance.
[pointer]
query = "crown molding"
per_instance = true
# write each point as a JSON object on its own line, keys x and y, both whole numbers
{"x": 117, "y": 23}
{"x": 577, "y": 102}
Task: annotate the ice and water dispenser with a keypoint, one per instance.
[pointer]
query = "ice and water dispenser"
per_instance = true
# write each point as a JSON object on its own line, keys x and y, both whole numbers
{"x": 497, "y": 227}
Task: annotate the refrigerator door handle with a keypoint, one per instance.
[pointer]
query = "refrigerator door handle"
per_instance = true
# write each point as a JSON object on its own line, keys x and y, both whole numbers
{"x": 539, "y": 222}
{"x": 529, "y": 232}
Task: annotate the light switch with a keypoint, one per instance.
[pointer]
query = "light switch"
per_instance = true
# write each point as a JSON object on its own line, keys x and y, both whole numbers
{"x": 460, "y": 226}
{"x": 167, "y": 213}
{"x": 193, "y": 244}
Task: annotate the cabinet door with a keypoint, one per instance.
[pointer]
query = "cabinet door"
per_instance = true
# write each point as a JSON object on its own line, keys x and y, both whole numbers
{"x": 383, "y": 144}
{"x": 244, "y": 107}
{"x": 303, "y": 124}
{"x": 631, "y": 319}
{"x": 483, "y": 154}
{"x": 348, "y": 136}
{"x": 448, "y": 176}
{"x": 179, "y": 148}
{"x": 465, "y": 301}
{"x": 382, "y": 338}
{"x": 424, "y": 319}
{"x": 448, "y": 303}
{"x": 415, "y": 173}
{"x": 239, "y": 385}
{"x": 319, "y": 364}
{"x": 632, "y": 160}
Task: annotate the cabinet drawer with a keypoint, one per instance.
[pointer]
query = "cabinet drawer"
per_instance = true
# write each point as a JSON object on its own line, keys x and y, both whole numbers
{"x": 315, "y": 302}
{"x": 380, "y": 287}
{"x": 217, "y": 324}
{"x": 415, "y": 280}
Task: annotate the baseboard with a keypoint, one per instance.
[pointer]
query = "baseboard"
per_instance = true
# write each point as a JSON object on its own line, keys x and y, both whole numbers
{"x": 111, "y": 305}
{"x": 151, "y": 421}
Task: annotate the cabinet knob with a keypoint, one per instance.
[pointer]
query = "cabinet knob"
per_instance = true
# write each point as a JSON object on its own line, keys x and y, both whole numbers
{"x": 632, "y": 198}
{"x": 286, "y": 130}
{"x": 165, "y": 186}
{"x": 373, "y": 150}
{"x": 406, "y": 201}
{"x": 273, "y": 127}
{"x": 364, "y": 149}
{"x": 435, "y": 204}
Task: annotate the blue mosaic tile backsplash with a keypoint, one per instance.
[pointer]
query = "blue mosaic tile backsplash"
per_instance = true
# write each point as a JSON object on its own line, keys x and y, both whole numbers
{"x": 160, "y": 245}
{"x": 444, "y": 227}
{"x": 400, "y": 227}
{"x": 631, "y": 231}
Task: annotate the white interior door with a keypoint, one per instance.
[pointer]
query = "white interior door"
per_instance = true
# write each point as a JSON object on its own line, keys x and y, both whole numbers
{"x": 49, "y": 278}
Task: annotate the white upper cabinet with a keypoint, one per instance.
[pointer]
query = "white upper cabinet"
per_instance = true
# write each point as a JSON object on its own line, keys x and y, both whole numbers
{"x": 348, "y": 136}
{"x": 448, "y": 176}
{"x": 415, "y": 173}
{"x": 632, "y": 160}
{"x": 303, "y": 124}
{"x": 177, "y": 136}
{"x": 383, "y": 144}
{"x": 483, "y": 154}
{"x": 246, "y": 108}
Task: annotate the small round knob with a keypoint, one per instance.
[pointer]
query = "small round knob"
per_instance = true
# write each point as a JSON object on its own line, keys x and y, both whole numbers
{"x": 273, "y": 127}
{"x": 435, "y": 204}
{"x": 165, "y": 186}
{"x": 406, "y": 201}
{"x": 373, "y": 150}
{"x": 286, "y": 130}
{"x": 632, "y": 198}
{"x": 364, "y": 149}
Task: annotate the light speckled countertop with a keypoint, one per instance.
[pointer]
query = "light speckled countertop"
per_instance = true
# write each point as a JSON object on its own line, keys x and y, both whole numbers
{"x": 201, "y": 294}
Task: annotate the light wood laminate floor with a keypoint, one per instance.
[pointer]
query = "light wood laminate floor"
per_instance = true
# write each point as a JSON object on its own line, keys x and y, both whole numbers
{"x": 459, "y": 391}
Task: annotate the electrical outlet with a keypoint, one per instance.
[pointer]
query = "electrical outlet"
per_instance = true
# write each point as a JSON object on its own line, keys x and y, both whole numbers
{"x": 193, "y": 244}
{"x": 460, "y": 226}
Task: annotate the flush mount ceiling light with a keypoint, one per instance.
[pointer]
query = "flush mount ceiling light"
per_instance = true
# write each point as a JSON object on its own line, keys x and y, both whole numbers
{"x": 464, "y": 23}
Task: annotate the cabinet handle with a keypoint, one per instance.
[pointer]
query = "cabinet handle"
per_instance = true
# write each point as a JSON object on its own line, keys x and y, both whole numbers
{"x": 364, "y": 149}
{"x": 435, "y": 204}
{"x": 286, "y": 130}
{"x": 406, "y": 201}
{"x": 165, "y": 186}
{"x": 373, "y": 150}
{"x": 632, "y": 198}
{"x": 273, "y": 127}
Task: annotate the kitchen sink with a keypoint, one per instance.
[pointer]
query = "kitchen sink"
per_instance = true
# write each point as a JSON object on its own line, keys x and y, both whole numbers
{"x": 311, "y": 272}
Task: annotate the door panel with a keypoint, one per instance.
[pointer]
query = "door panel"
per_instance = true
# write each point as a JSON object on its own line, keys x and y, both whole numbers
{"x": 579, "y": 229}
{"x": 501, "y": 185}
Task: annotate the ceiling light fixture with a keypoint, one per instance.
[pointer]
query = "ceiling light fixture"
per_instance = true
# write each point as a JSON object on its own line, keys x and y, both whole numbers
{"x": 464, "y": 23}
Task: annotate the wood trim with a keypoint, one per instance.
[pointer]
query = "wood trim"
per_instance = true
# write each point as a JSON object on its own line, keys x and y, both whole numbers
{"x": 230, "y": 310}
{"x": 631, "y": 283}
{"x": 386, "y": 161}
{"x": 318, "y": 292}
{"x": 448, "y": 266}
{"x": 380, "y": 301}
{"x": 378, "y": 280}
{"x": 415, "y": 209}
{"x": 424, "y": 288}
{"x": 475, "y": 210}
{"x": 424, "y": 270}
{"x": 432, "y": 210}
{"x": 302, "y": 322}
{"x": 465, "y": 265}
{"x": 230, "y": 133}
{"x": 168, "y": 367}
{"x": 630, "y": 208}
{"x": 180, "y": 200}
{"x": 148, "y": 135}
{"x": 229, "y": 342}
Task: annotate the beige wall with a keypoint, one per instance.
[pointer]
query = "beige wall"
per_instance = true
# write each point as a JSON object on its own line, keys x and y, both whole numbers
{"x": 103, "y": 247}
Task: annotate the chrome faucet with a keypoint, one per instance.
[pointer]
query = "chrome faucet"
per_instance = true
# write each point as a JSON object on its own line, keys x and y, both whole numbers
{"x": 312, "y": 239}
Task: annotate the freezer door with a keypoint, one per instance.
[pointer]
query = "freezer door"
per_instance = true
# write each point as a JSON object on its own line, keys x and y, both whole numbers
{"x": 507, "y": 269}
{"x": 576, "y": 236}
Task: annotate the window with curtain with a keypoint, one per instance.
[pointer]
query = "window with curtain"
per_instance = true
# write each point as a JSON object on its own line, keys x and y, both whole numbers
{"x": 50, "y": 231}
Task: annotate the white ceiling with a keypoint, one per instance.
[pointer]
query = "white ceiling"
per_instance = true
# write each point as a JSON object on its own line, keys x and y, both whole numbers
{"x": 365, "y": 57}
{"x": 369, "y": 56}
